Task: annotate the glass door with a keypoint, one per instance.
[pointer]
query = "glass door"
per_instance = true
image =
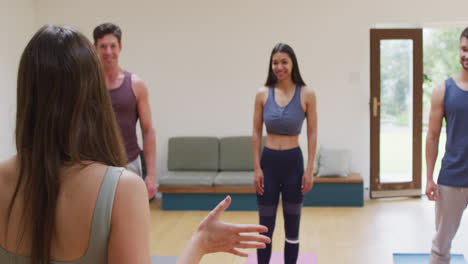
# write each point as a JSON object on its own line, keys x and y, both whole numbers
{"x": 396, "y": 112}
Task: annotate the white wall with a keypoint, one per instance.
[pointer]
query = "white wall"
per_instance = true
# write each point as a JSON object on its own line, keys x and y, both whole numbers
{"x": 16, "y": 28}
{"x": 204, "y": 60}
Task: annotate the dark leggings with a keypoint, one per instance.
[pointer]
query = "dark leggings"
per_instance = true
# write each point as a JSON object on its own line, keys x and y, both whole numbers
{"x": 282, "y": 172}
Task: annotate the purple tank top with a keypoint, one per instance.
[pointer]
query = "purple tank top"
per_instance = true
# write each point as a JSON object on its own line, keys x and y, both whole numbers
{"x": 125, "y": 109}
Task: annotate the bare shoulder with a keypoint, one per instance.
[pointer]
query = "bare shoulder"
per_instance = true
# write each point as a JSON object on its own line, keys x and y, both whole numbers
{"x": 130, "y": 192}
{"x": 139, "y": 86}
{"x": 8, "y": 171}
{"x": 308, "y": 90}
{"x": 8, "y": 180}
{"x": 262, "y": 90}
{"x": 130, "y": 195}
{"x": 262, "y": 94}
{"x": 8, "y": 165}
{"x": 438, "y": 94}
{"x": 129, "y": 236}
{"x": 137, "y": 80}
{"x": 130, "y": 182}
{"x": 308, "y": 93}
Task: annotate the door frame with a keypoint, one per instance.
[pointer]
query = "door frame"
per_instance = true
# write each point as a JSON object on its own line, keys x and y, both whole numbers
{"x": 413, "y": 188}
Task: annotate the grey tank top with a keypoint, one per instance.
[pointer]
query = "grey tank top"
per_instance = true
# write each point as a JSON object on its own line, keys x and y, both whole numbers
{"x": 100, "y": 229}
{"x": 126, "y": 112}
{"x": 285, "y": 120}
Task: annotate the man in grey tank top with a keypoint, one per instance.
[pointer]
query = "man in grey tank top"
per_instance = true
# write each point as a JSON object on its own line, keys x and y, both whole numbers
{"x": 449, "y": 101}
{"x": 129, "y": 96}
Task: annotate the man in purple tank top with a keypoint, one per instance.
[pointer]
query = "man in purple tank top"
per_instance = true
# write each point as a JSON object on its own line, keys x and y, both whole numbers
{"x": 129, "y": 96}
{"x": 450, "y": 101}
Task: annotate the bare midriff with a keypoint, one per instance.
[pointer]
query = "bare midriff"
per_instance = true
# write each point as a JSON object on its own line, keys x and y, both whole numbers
{"x": 281, "y": 142}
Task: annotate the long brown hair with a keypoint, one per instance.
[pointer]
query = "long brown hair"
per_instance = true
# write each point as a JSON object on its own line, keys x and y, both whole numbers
{"x": 64, "y": 116}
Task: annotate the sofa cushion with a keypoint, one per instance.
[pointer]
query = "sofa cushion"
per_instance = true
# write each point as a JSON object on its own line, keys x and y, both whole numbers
{"x": 334, "y": 162}
{"x": 234, "y": 178}
{"x": 235, "y": 154}
{"x": 193, "y": 153}
{"x": 188, "y": 178}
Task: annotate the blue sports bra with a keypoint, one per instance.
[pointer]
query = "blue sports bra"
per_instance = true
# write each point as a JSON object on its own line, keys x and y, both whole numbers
{"x": 283, "y": 120}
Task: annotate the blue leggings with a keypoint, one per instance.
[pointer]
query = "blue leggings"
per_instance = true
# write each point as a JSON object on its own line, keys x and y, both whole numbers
{"x": 282, "y": 172}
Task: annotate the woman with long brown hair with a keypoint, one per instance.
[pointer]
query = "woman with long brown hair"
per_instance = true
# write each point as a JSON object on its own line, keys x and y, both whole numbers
{"x": 283, "y": 104}
{"x": 65, "y": 196}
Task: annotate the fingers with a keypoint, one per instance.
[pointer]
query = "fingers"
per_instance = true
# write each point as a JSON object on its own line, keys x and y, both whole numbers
{"x": 151, "y": 188}
{"x": 431, "y": 197}
{"x": 221, "y": 207}
{"x": 436, "y": 193}
{"x": 237, "y": 252}
{"x": 259, "y": 186}
{"x": 151, "y": 195}
{"x": 248, "y": 241}
{"x": 428, "y": 192}
{"x": 310, "y": 186}
{"x": 241, "y": 228}
{"x": 254, "y": 238}
{"x": 259, "y": 182}
{"x": 431, "y": 192}
{"x": 250, "y": 244}
{"x": 307, "y": 186}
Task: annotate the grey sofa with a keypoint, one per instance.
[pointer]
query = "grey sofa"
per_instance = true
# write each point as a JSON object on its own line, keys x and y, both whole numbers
{"x": 203, "y": 170}
{"x": 209, "y": 161}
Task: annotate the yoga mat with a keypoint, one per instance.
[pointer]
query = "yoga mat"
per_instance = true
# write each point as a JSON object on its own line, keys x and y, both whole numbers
{"x": 399, "y": 258}
{"x": 163, "y": 259}
{"x": 277, "y": 258}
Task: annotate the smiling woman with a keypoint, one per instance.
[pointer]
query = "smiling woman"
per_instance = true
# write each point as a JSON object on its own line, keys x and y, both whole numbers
{"x": 282, "y": 105}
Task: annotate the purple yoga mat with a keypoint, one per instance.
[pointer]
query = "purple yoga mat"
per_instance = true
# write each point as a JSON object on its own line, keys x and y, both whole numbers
{"x": 277, "y": 258}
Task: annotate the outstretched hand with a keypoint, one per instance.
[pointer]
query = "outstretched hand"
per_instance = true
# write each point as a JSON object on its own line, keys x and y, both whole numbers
{"x": 217, "y": 236}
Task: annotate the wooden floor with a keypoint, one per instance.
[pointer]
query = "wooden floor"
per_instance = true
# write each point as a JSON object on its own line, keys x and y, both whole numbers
{"x": 367, "y": 235}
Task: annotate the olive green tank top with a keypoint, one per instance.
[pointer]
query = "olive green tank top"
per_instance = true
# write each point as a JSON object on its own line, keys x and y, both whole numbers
{"x": 100, "y": 229}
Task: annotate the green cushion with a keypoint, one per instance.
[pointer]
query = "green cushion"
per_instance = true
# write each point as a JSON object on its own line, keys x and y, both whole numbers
{"x": 188, "y": 178}
{"x": 235, "y": 153}
{"x": 234, "y": 178}
{"x": 193, "y": 153}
